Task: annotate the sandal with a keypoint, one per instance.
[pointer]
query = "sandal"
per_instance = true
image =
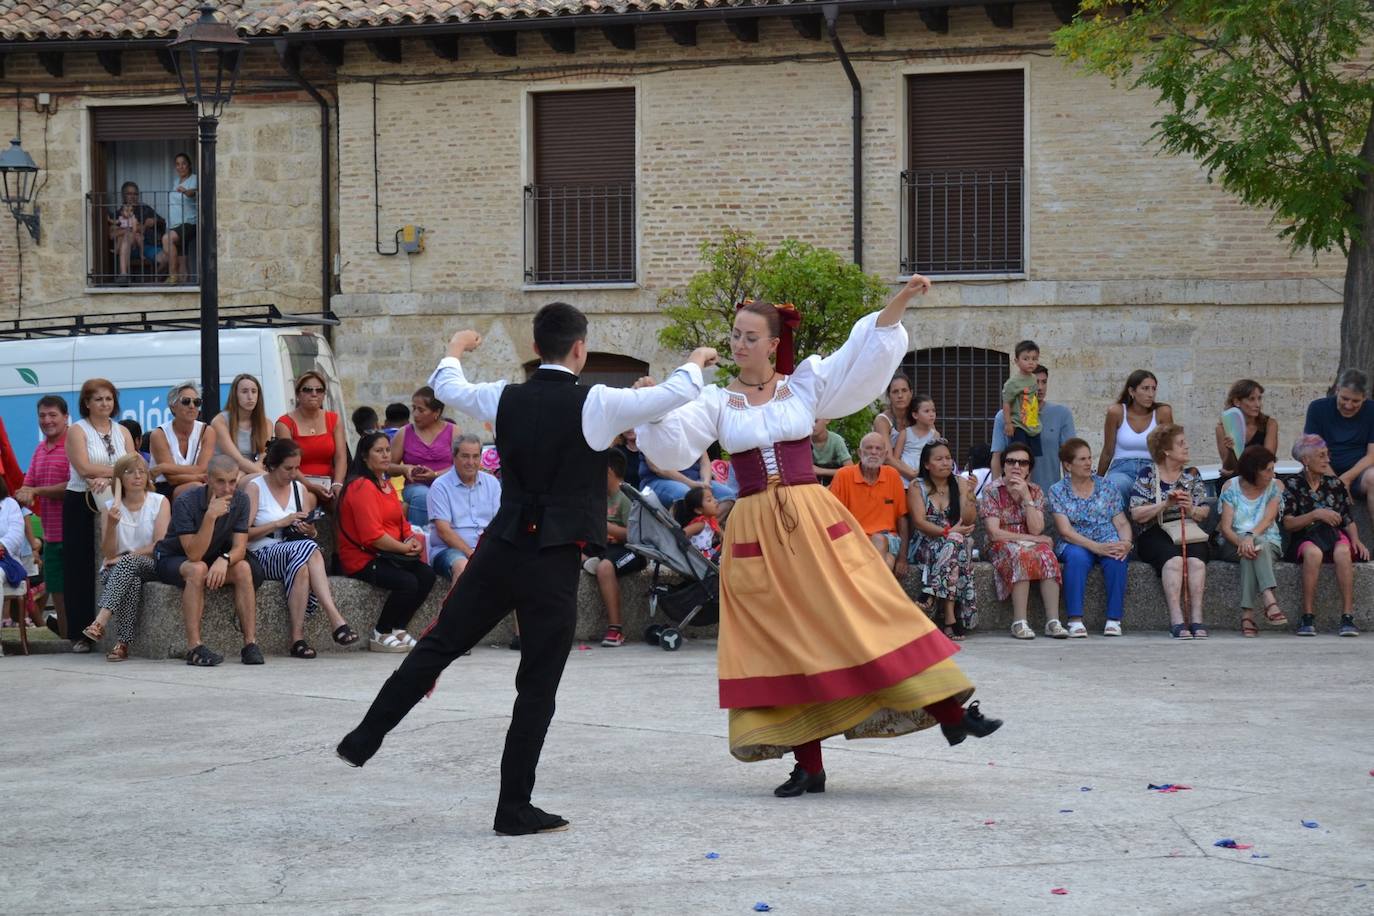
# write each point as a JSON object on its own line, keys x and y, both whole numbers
{"x": 119, "y": 653}
{"x": 1273, "y": 615}
{"x": 1180, "y": 631}
{"x": 95, "y": 632}
{"x": 1199, "y": 631}
{"x": 344, "y": 635}
{"x": 301, "y": 649}
{"x": 201, "y": 657}
{"x": 954, "y": 631}
{"x": 1248, "y": 627}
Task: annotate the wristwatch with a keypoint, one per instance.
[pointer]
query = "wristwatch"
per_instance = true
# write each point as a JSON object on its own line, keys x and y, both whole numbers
{"x": 225, "y": 557}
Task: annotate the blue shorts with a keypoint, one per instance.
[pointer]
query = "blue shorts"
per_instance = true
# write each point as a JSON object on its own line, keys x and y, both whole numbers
{"x": 894, "y": 543}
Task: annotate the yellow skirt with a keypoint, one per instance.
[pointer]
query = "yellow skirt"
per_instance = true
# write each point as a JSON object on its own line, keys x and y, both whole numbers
{"x": 817, "y": 637}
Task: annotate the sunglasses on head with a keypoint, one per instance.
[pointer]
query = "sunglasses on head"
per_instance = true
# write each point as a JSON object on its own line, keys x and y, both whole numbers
{"x": 310, "y": 389}
{"x": 1017, "y": 462}
{"x": 190, "y": 402}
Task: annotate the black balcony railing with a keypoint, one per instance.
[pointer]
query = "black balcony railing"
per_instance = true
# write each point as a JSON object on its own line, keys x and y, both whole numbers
{"x": 580, "y": 233}
{"x": 962, "y": 222}
{"x": 125, "y": 241}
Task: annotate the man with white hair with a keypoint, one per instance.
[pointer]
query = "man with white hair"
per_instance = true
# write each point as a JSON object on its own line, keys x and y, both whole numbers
{"x": 872, "y": 491}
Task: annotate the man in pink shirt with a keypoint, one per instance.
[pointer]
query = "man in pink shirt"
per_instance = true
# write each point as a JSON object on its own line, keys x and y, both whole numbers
{"x": 45, "y": 484}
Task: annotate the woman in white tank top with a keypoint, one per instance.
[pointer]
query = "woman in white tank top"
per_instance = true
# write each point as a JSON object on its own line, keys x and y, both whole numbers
{"x": 183, "y": 446}
{"x": 1136, "y": 414}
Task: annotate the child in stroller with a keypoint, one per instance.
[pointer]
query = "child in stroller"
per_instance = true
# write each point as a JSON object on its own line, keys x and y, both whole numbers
{"x": 654, "y": 535}
{"x": 698, "y": 514}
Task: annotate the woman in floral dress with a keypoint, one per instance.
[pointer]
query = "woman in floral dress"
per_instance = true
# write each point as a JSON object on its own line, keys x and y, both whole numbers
{"x": 944, "y": 514}
{"x": 1017, "y": 516}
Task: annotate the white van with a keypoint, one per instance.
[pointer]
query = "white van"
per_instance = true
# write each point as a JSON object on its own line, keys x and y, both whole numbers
{"x": 143, "y": 364}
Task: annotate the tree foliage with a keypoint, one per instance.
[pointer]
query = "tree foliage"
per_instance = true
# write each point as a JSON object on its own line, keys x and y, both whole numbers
{"x": 1273, "y": 97}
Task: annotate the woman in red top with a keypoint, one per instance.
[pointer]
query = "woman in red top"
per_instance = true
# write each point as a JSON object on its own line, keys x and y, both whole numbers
{"x": 377, "y": 545}
{"x": 324, "y": 456}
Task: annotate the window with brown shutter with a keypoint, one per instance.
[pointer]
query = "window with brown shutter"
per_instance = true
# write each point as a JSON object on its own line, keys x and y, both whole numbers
{"x": 966, "y": 383}
{"x": 610, "y": 369}
{"x": 962, "y": 190}
{"x": 580, "y": 209}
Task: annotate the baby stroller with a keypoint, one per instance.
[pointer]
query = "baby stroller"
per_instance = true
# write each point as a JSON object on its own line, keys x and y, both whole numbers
{"x": 655, "y": 536}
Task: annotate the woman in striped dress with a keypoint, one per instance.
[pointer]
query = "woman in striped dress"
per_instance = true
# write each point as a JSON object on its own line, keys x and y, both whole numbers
{"x": 282, "y": 540}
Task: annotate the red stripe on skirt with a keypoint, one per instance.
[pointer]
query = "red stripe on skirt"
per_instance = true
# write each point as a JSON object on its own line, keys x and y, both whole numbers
{"x": 842, "y": 683}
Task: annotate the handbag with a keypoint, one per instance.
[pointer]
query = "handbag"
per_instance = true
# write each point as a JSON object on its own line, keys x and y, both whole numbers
{"x": 1180, "y": 530}
{"x": 15, "y": 572}
{"x": 391, "y": 558}
{"x": 290, "y": 534}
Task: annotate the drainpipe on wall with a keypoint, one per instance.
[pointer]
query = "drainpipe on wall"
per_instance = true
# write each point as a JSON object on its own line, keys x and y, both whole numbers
{"x": 832, "y": 13}
{"x": 290, "y": 58}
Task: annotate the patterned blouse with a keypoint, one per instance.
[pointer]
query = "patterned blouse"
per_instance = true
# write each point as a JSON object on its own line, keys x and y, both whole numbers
{"x": 1143, "y": 493}
{"x": 1329, "y": 494}
{"x": 1090, "y": 516}
{"x": 1247, "y": 513}
{"x": 997, "y": 502}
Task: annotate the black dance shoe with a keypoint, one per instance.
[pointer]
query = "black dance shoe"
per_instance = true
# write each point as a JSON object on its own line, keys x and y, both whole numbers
{"x": 974, "y": 723}
{"x": 354, "y": 750}
{"x": 528, "y": 820}
{"x": 801, "y": 782}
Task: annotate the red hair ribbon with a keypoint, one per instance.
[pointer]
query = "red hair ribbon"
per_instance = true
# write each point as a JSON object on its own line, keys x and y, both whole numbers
{"x": 789, "y": 319}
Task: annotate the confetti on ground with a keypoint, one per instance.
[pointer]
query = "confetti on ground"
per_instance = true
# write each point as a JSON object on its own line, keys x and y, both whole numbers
{"x": 1059, "y": 891}
{"x": 988, "y": 823}
{"x": 1232, "y": 844}
{"x": 1066, "y": 811}
{"x": 1310, "y": 825}
{"x": 1085, "y": 788}
{"x": 584, "y": 648}
{"x": 1259, "y": 855}
{"x": 1364, "y": 885}
{"x": 1169, "y": 788}
{"x": 713, "y": 855}
{"x": 761, "y": 908}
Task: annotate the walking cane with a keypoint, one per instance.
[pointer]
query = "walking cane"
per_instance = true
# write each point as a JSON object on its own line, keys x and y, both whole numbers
{"x": 1184, "y": 595}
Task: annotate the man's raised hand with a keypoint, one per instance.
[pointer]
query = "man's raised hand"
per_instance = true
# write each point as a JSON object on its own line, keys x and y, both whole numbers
{"x": 462, "y": 342}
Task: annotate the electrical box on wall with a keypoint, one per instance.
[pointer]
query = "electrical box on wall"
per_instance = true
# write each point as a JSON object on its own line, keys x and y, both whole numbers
{"x": 412, "y": 239}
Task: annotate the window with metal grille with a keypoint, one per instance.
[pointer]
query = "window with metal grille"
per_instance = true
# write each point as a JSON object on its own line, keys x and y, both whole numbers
{"x": 609, "y": 369}
{"x": 580, "y": 209}
{"x": 966, "y": 383}
{"x": 963, "y": 190}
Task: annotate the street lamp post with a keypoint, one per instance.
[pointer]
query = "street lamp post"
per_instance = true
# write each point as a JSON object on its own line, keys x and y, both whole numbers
{"x": 208, "y": 54}
{"x": 17, "y": 173}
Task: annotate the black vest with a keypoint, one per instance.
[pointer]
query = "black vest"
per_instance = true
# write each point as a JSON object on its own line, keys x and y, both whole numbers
{"x": 553, "y": 485}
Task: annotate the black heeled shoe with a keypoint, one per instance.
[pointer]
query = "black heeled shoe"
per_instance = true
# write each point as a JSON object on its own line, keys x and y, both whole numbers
{"x": 801, "y": 782}
{"x": 354, "y": 751}
{"x": 974, "y": 723}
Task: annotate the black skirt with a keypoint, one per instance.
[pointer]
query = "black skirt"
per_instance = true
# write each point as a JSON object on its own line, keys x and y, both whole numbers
{"x": 1154, "y": 546}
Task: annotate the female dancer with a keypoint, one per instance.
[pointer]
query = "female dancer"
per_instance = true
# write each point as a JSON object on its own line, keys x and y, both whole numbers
{"x": 816, "y": 638}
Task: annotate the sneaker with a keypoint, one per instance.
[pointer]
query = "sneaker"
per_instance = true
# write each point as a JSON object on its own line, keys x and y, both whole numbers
{"x": 251, "y": 654}
{"x": 1055, "y": 630}
{"x": 1021, "y": 630}
{"x": 1113, "y": 628}
{"x": 614, "y": 637}
{"x": 1077, "y": 630}
{"x": 82, "y": 646}
{"x": 1308, "y": 626}
{"x": 386, "y": 642}
{"x": 590, "y": 564}
{"x": 1348, "y": 626}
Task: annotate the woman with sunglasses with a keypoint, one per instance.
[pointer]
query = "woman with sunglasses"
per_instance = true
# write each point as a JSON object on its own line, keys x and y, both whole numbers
{"x": 1016, "y": 515}
{"x": 94, "y": 444}
{"x": 183, "y": 446}
{"x": 324, "y": 455}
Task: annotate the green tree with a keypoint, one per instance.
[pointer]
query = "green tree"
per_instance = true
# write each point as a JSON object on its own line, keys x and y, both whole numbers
{"x": 1275, "y": 99}
{"x": 829, "y": 292}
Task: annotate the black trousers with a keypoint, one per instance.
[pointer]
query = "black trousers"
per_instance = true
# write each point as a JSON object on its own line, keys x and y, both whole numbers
{"x": 542, "y": 586}
{"x": 408, "y": 581}
{"x": 78, "y": 561}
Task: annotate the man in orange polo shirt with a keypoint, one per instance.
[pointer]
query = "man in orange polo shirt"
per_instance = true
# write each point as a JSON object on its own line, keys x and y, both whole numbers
{"x": 873, "y": 492}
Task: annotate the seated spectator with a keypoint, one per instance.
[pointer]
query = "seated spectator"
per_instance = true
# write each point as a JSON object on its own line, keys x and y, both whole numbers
{"x": 13, "y": 532}
{"x": 670, "y": 486}
{"x": 421, "y": 451}
{"x": 397, "y": 415}
{"x": 135, "y": 522}
{"x": 324, "y": 454}
{"x": 1014, "y": 510}
{"x": 1247, "y": 396}
{"x": 944, "y": 513}
{"x": 1093, "y": 530}
{"x": 828, "y": 452}
{"x": 698, "y": 515}
{"x": 1345, "y": 421}
{"x": 1125, "y": 446}
{"x": 281, "y": 538}
{"x": 462, "y": 503}
{"x": 1167, "y": 494}
{"x": 377, "y": 545}
{"x": 872, "y": 492}
{"x": 180, "y": 238}
{"x": 1056, "y": 428}
{"x": 617, "y": 560}
{"x": 182, "y": 446}
{"x": 365, "y": 421}
{"x": 1321, "y": 529}
{"x": 242, "y": 429}
{"x": 206, "y": 547}
{"x": 1250, "y": 508}
{"x": 134, "y": 228}
{"x": 627, "y": 444}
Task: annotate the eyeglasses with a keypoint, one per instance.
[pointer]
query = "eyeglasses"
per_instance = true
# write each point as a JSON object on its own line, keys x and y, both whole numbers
{"x": 190, "y": 402}
{"x": 310, "y": 390}
{"x": 1016, "y": 462}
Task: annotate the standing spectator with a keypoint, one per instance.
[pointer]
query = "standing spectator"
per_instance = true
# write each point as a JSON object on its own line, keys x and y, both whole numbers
{"x": 828, "y": 452}
{"x": 1346, "y": 422}
{"x": 1250, "y": 507}
{"x": 181, "y": 447}
{"x": 670, "y": 486}
{"x": 1014, "y": 511}
{"x": 134, "y": 523}
{"x": 205, "y": 548}
{"x": 94, "y": 444}
{"x": 281, "y": 538}
{"x": 1125, "y": 438}
{"x": 182, "y": 211}
{"x": 140, "y": 439}
{"x": 324, "y": 454}
{"x": 242, "y": 429}
{"x": 397, "y": 415}
{"x": 1056, "y": 428}
{"x": 903, "y": 412}
{"x": 378, "y": 546}
{"x": 1020, "y": 399}
{"x": 921, "y": 431}
{"x": 462, "y": 503}
{"x": 617, "y": 560}
{"x": 944, "y": 513}
{"x": 1247, "y": 395}
{"x": 872, "y": 492}
{"x": 1090, "y": 517}
{"x": 1170, "y": 492}
{"x": 422, "y": 451}
{"x": 627, "y": 443}
{"x": 133, "y": 229}
{"x": 44, "y": 489}
{"x": 1322, "y": 530}
{"x": 365, "y": 421}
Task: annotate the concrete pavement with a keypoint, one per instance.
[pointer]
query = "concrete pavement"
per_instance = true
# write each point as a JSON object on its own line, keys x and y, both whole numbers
{"x": 151, "y": 787}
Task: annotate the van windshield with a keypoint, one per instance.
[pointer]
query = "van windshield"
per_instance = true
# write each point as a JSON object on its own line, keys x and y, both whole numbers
{"x": 303, "y": 352}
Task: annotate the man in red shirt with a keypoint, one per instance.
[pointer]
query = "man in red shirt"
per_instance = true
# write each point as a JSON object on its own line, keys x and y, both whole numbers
{"x": 873, "y": 492}
{"x": 44, "y": 487}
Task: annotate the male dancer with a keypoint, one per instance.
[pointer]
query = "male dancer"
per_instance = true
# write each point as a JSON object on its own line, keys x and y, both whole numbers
{"x": 552, "y": 435}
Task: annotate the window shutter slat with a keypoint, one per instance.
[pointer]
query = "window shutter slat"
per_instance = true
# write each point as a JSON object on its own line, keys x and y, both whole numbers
{"x": 144, "y": 122}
